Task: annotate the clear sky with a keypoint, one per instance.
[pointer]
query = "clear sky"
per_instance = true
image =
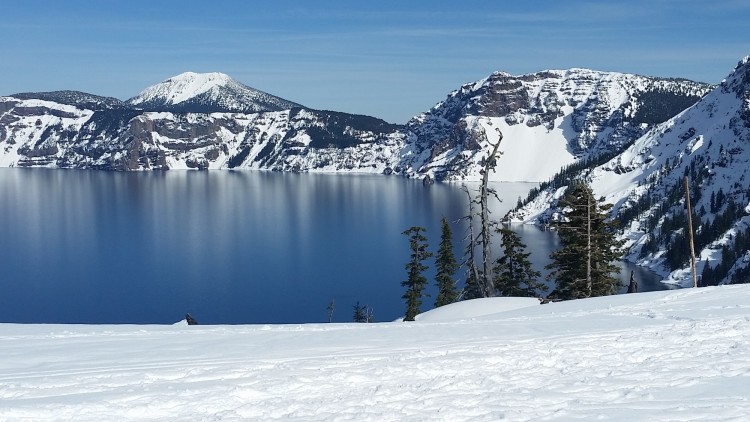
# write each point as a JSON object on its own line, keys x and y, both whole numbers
{"x": 387, "y": 58}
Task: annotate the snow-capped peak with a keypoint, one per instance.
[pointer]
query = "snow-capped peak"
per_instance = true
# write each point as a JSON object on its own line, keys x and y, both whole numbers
{"x": 185, "y": 86}
{"x": 213, "y": 91}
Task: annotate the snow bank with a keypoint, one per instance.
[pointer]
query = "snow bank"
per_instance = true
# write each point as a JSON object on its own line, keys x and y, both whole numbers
{"x": 471, "y": 309}
{"x": 672, "y": 355}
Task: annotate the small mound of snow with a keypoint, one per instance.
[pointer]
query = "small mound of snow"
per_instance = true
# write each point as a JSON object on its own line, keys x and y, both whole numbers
{"x": 474, "y": 308}
{"x": 183, "y": 322}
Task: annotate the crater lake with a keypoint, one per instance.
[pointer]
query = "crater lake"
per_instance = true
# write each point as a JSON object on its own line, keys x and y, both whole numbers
{"x": 229, "y": 247}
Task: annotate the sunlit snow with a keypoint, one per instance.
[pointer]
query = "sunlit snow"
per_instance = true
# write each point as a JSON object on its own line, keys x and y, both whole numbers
{"x": 673, "y": 355}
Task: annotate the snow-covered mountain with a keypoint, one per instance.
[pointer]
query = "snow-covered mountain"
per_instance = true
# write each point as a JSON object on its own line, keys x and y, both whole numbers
{"x": 42, "y": 133}
{"x": 207, "y": 93}
{"x": 710, "y": 143}
{"x": 548, "y": 119}
{"x": 190, "y": 121}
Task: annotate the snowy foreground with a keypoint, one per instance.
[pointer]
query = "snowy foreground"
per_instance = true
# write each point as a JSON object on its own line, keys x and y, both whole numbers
{"x": 673, "y": 355}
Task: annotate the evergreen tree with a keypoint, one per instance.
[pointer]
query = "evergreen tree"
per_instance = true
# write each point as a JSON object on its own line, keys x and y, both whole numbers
{"x": 446, "y": 266}
{"x": 472, "y": 289}
{"x": 513, "y": 273}
{"x": 416, "y": 281}
{"x": 584, "y": 265}
{"x": 360, "y": 313}
{"x": 707, "y": 276}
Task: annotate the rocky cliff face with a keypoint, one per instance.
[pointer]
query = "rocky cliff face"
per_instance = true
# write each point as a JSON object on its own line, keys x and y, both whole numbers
{"x": 43, "y": 133}
{"x": 548, "y": 120}
{"x": 710, "y": 144}
{"x": 576, "y": 113}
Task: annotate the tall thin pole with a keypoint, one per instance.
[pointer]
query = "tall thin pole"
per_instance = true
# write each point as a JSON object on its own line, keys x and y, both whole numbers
{"x": 690, "y": 231}
{"x": 588, "y": 246}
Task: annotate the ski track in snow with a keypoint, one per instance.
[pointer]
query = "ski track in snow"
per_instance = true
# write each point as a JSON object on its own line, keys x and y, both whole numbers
{"x": 677, "y": 355}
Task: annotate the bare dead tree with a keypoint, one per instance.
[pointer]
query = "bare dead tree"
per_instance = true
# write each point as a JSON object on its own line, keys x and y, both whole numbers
{"x": 472, "y": 240}
{"x": 331, "y": 307}
{"x": 484, "y": 279}
{"x": 484, "y": 192}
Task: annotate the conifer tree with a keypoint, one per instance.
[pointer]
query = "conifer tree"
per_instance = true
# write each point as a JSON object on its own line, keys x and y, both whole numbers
{"x": 360, "y": 313}
{"x": 514, "y": 275}
{"x": 472, "y": 289}
{"x": 446, "y": 267}
{"x": 584, "y": 265}
{"x": 416, "y": 281}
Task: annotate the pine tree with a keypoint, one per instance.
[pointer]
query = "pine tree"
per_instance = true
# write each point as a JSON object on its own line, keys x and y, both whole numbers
{"x": 360, "y": 313}
{"x": 416, "y": 281}
{"x": 584, "y": 265}
{"x": 514, "y": 275}
{"x": 472, "y": 289}
{"x": 446, "y": 266}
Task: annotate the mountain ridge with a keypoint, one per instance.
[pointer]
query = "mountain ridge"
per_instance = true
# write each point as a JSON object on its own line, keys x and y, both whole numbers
{"x": 577, "y": 113}
{"x": 75, "y": 98}
{"x": 707, "y": 143}
{"x": 189, "y": 121}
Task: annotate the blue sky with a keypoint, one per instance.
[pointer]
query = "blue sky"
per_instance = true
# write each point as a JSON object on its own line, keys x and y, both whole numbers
{"x": 389, "y": 59}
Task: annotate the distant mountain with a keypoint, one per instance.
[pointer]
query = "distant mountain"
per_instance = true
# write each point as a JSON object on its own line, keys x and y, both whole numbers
{"x": 710, "y": 143}
{"x": 36, "y": 133}
{"x": 548, "y": 119}
{"x": 206, "y": 93}
{"x": 78, "y": 99}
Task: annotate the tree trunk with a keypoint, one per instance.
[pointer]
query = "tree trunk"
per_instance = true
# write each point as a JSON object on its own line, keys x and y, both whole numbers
{"x": 588, "y": 246}
{"x": 489, "y": 164}
{"x": 472, "y": 242}
{"x": 690, "y": 231}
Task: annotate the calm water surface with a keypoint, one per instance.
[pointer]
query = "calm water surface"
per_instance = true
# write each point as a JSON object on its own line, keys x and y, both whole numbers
{"x": 228, "y": 247}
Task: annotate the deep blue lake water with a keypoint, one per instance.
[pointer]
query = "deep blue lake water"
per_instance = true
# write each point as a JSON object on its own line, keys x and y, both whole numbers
{"x": 229, "y": 247}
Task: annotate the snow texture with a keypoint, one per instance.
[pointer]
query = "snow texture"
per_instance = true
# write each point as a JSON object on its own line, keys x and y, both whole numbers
{"x": 680, "y": 355}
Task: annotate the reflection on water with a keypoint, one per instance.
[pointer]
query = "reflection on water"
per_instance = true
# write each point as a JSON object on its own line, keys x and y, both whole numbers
{"x": 228, "y": 247}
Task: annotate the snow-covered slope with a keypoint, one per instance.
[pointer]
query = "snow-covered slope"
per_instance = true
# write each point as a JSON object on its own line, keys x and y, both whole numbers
{"x": 43, "y": 133}
{"x": 548, "y": 120}
{"x": 661, "y": 356}
{"x": 207, "y": 92}
{"x": 709, "y": 143}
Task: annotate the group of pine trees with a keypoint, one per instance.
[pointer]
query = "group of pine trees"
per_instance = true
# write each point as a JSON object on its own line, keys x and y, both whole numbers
{"x": 582, "y": 267}
{"x": 446, "y": 267}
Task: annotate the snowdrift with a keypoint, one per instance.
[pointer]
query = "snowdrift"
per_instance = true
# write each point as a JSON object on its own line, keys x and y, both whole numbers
{"x": 475, "y": 308}
{"x": 671, "y": 355}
